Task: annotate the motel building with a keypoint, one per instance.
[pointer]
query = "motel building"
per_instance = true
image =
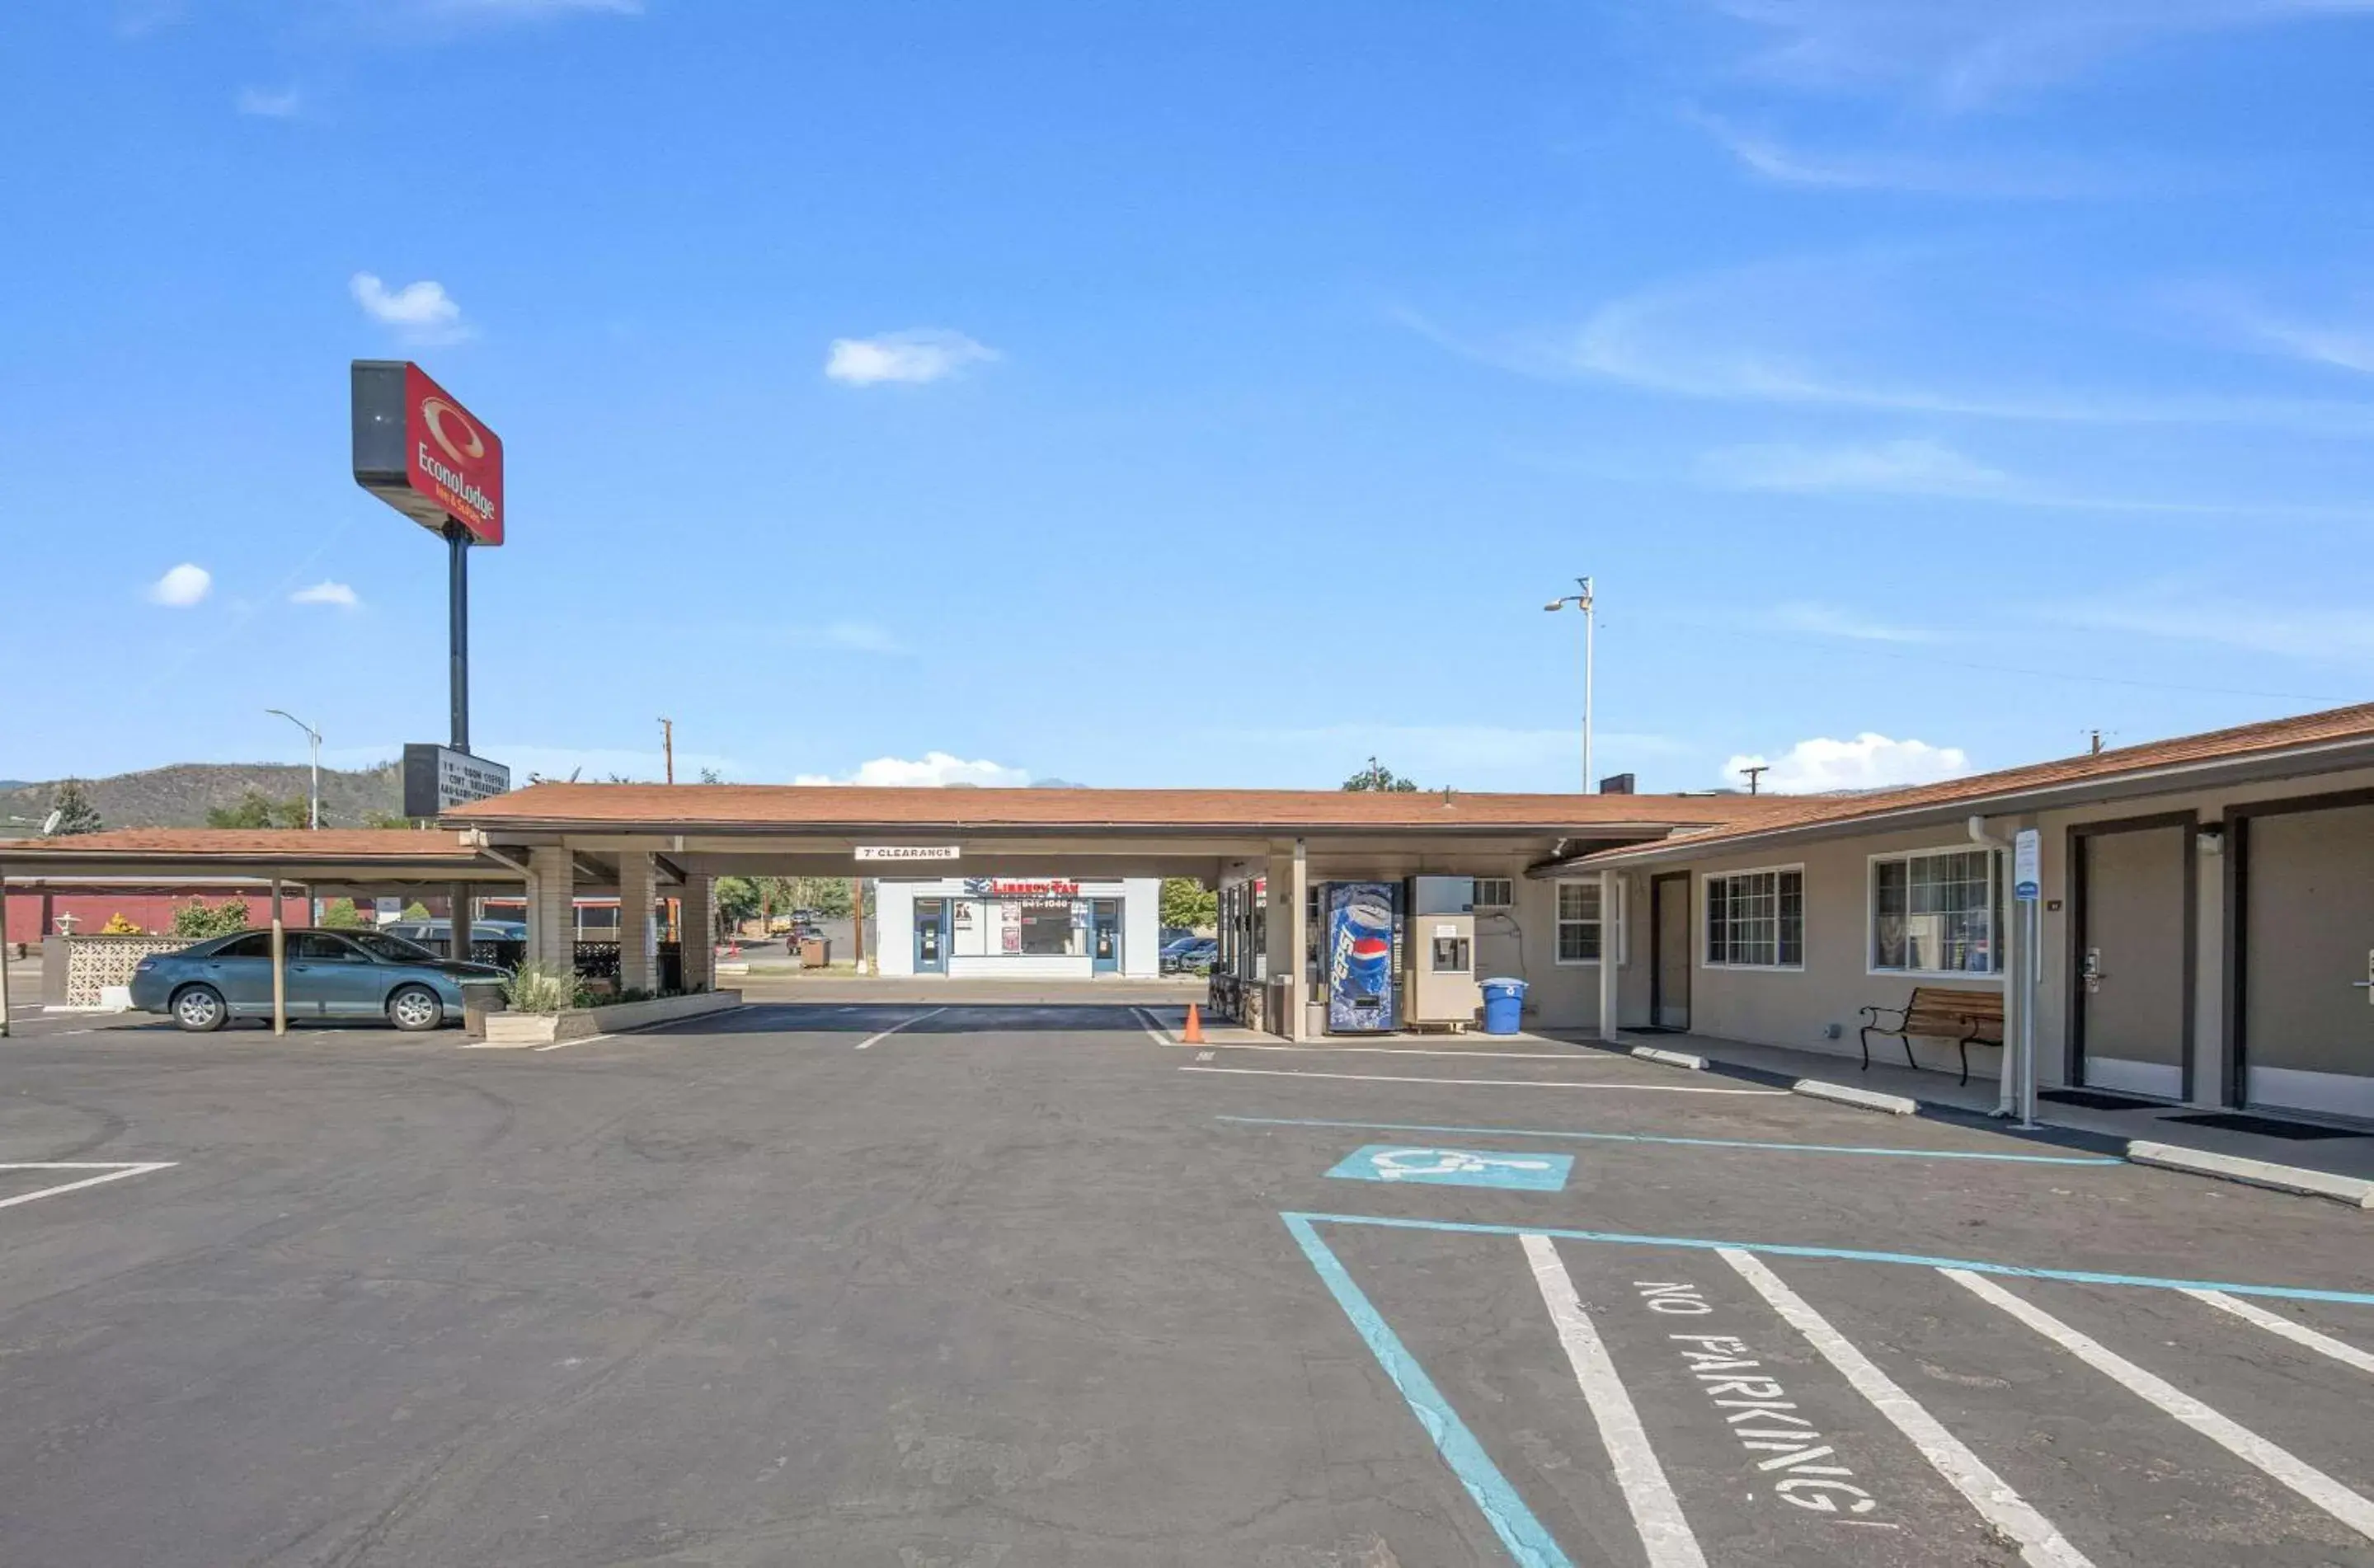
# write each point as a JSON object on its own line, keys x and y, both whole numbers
{"x": 2203, "y": 920}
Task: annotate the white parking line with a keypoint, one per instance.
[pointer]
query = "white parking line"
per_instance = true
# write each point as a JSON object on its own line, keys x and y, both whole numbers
{"x": 2298, "y": 1333}
{"x": 2040, "y": 1542}
{"x": 1485, "y": 1082}
{"x": 113, "y": 1173}
{"x": 1153, "y": 1027}
{"x": 874, "y": 1039}
{"x": 1656, "y": 1512}
{"x": 2294, "y": 1472}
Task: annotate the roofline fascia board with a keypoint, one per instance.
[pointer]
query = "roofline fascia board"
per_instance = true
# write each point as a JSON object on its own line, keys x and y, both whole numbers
{"x": 2169, "y": 779}
{"x": 599, "y": 834}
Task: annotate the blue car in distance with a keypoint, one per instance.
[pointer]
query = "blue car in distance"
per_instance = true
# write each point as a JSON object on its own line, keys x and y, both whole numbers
{"x": 329, "y": 974}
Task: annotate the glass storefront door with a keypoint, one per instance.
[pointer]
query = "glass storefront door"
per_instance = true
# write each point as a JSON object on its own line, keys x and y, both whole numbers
{"x": 931, "y": 936}
{"x": 1104, "y": 935}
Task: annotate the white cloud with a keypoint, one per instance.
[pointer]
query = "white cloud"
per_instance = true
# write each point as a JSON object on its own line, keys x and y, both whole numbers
{"x": 2201, "y": 612}
{"x": 526, "y": 10}
{"x": 1805, "y": 331}
{"x": 1898, "y": 468}
{"x": 181, "y": 587}
{"x": 1783, "y": 165}
{"x": 2343, "y": 344}
{"x": 421, "y": 312}
{"x": 911, "y": 358}
{"x": 853, "y": 637}
{"x": 265, "y": 105}
{"x": 1868, "y": 761}
{"x": 1828, "y": 620}
{"x": 337, "y": 594}
{"x": 931, "y": 768}
{"x": 1963, "y": 57}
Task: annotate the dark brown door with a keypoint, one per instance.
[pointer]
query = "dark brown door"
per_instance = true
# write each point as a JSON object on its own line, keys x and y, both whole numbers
{"x": 1669, "y": 972}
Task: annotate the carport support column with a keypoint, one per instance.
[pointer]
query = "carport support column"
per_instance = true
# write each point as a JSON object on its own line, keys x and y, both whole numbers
{"x": 3, "y": 952}
{"x": 279, "y": 965}
{"x": 552, "y": 909}
{"x": 638, "y": 958}
{"x": 1611, "y": 951}
{"x": 697, "y": 932}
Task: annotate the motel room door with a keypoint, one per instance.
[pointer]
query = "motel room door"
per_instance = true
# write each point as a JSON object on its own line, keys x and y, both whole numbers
{"x": 2132, "y": 1030}
{"x": 1669, "y": 956}
{"x": 2306, "y": 932}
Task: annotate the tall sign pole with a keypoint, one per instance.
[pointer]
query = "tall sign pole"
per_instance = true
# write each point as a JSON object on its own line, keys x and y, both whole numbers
{"x": 457, "y": 633}
{"x": 419, "y": 450}
{"x": 2026, "y": 890}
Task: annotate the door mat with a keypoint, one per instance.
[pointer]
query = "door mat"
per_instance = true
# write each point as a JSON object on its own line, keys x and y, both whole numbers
{"x": 2098, "y": 1100}
{"x": 2267, "y": 1126}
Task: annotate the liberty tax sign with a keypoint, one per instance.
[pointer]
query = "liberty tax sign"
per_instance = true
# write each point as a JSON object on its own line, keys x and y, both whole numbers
{"x": 423, "y": 453}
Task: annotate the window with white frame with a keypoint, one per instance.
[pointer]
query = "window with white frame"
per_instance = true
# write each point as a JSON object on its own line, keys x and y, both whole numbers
{"x": 1756, "y": 919}
{"x": 1495, "y": 892}
{"x": 1936, "y": 914}
{"x": 1578, "y": 922}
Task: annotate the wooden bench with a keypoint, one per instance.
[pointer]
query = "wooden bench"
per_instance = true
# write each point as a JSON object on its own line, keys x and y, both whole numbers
{"x": 1967, "y": 1018}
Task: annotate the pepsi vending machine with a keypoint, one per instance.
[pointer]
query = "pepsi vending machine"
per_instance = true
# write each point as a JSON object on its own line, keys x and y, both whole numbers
{"x": 1362, "y": 919}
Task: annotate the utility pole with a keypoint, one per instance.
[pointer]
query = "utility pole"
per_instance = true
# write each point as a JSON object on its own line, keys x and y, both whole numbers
{"x": 1585, "y": 601}
{"x": 667, "y": 746}
{"x": 314, "y": 740}
{"x": 1755, "y": 775}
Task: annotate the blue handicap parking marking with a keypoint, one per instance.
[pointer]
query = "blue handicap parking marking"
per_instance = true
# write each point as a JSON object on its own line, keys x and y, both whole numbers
{"x": 1456, "y": 1168}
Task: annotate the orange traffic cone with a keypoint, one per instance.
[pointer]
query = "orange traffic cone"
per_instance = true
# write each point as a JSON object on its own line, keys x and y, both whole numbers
{"x": 1194, "y": 1033}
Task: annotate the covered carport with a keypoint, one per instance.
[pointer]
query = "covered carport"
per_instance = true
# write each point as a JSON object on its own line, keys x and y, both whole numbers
{"x": 1285, "y": 841}
{"x": 300, "y": 864}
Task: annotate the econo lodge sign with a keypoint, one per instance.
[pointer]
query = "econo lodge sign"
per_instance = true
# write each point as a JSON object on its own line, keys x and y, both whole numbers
{"x": 419, "y": 450}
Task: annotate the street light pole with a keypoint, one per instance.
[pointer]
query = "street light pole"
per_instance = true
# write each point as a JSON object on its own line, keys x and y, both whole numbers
{"x": 313, "y": 741}
{"x": 1584, "y": 602}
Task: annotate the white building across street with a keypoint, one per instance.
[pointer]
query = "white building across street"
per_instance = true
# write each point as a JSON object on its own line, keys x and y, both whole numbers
{"x": 1020, "y": 927}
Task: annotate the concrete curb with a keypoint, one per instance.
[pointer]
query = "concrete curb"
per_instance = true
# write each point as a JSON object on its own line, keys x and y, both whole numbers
{"x": 2353, "y": 1190}
{"x": 1862, "y": 1099}
{"x": 1670, "y": 1059}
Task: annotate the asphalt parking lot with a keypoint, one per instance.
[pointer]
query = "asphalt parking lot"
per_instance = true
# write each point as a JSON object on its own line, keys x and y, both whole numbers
{"x": 852, "y": 1282}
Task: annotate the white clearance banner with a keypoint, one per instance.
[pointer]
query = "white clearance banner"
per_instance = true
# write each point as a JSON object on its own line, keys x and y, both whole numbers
{"x": 909, "y": 851}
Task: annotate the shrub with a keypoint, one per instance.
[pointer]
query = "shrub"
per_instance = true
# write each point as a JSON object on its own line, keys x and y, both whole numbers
{"x": 416, "y": 910}
{"x": 342, "y": 915}
{"x": 198, "y": 921}
{"x": 118, "y": 926}
{"x": 534, "y": 988}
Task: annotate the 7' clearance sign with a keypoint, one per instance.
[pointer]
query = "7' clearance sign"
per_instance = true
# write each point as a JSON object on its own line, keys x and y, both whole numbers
{"x": 419, "y": 450}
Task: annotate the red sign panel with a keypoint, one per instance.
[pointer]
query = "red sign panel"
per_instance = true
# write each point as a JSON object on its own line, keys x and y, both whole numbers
{"x": 452, "y": 457}
{"x": 423, "y": 453}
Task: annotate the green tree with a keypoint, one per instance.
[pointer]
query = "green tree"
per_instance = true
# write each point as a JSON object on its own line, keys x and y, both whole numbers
{"x": 342, "y": 914}
{"x": 738, "y": 898}
{"x": 1188, "y": 904}
{"x": 252, "y": 810}
{"x": 387, "y": 820}
{"x": 197, "y": 920}
{"x": 416, "y": 910}
{"x": 1376, "y": 775}
{"x": 294, "y": 812}
{"x": 76, "y": 814}
{"x": 827, "y": 895}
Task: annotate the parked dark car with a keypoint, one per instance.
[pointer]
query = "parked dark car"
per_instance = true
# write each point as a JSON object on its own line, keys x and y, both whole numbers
{"x": 350, "y": 974}
{"x": 1190, "y": 956}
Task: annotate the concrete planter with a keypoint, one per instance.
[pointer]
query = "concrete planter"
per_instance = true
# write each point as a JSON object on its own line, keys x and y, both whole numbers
{"x": 516, "y": 1030}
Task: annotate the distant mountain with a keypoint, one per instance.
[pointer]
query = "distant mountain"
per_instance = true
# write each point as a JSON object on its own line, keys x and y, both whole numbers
{"x": 181, "y": 795}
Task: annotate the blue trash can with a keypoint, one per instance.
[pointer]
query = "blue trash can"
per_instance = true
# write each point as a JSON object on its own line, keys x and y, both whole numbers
{"x": 1504, "y": 1006}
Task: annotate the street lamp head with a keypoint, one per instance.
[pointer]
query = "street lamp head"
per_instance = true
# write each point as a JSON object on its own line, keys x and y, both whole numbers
{"x": 1555, "y": 606}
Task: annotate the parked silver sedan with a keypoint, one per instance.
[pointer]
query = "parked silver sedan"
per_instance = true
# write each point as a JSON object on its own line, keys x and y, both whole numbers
{"x": 348, "y": 974}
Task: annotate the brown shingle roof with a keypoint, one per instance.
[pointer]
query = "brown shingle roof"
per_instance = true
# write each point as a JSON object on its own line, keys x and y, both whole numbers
{"x": 747, "y": 807}
{"x": 2270, "y": 737}
{"x": 260, "y": 844}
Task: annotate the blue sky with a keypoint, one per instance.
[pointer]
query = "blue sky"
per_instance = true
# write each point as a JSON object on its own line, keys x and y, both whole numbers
{"x": 1194, "y": 395}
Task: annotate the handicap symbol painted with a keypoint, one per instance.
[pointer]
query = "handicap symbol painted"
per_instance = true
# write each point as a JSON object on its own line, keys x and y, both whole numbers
{"x": 1456, "y": 1168}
